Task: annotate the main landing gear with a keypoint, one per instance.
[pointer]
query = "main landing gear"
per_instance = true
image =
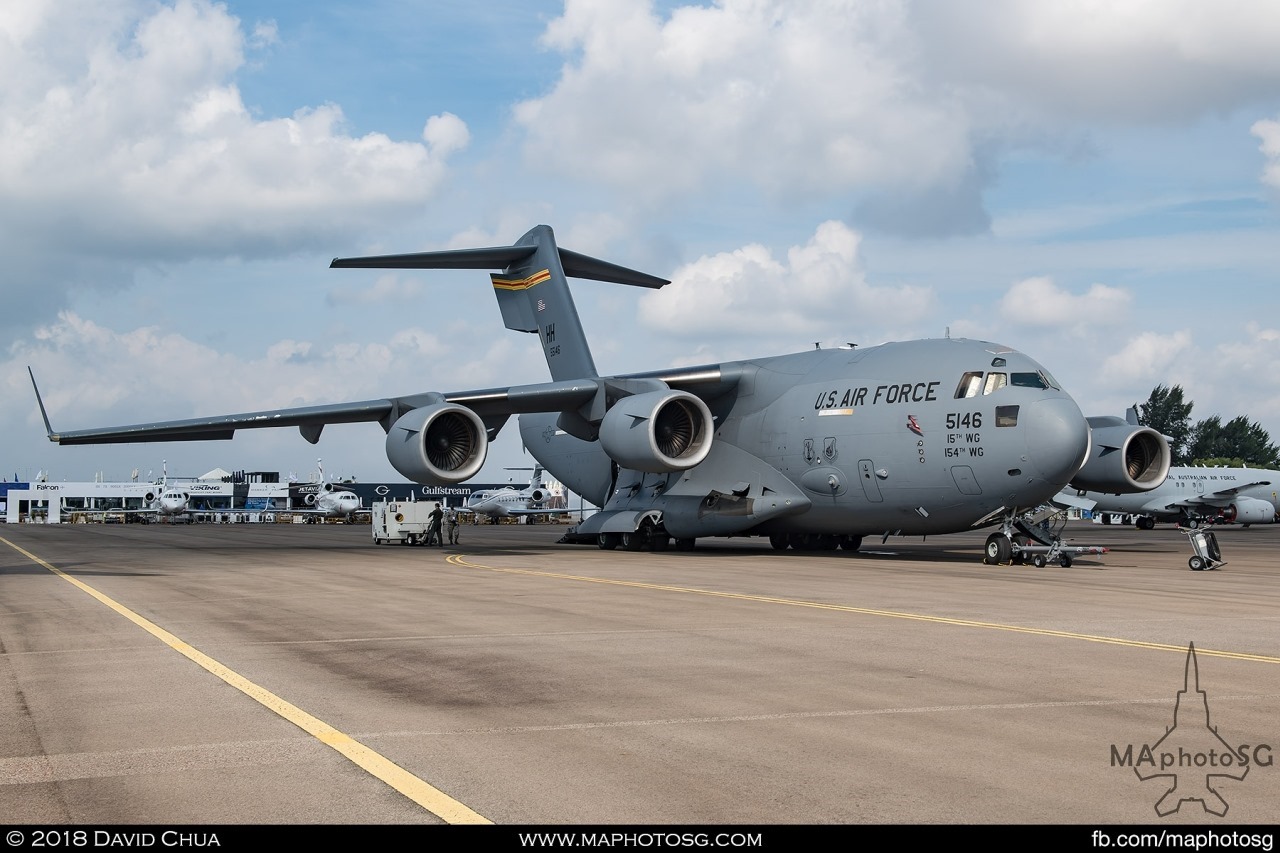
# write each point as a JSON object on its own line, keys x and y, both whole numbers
{"x": 648, "y": 537}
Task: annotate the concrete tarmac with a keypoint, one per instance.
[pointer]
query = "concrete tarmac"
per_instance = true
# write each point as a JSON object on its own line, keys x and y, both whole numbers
{"x": 299, "y": 674}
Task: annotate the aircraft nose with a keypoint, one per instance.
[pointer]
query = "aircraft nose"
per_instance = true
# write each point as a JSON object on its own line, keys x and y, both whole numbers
{"x": 1057, "y": 438}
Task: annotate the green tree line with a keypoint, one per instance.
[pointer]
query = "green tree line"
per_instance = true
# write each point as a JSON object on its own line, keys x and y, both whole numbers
{"x": 1236, "y": 443}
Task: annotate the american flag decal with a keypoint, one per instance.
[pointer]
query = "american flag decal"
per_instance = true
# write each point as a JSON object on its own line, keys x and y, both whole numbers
{"x": 542, "y": 305}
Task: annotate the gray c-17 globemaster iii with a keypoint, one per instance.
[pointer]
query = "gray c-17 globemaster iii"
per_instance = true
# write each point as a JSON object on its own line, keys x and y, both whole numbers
{"x": 814, "y": 449}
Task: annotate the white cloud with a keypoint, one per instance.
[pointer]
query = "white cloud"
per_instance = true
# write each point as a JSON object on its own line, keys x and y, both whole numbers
{"x": 1039, "y": 302}
{"x": 1127, "y": 62}
{"x": 1147, "y": 357}
{"x": 1269, "y": 132}
{"x": 897, "y": 106}
{"x": 810, "y": 98}
{"x": 125, "y": 134}
{"x": 818, "y": 293}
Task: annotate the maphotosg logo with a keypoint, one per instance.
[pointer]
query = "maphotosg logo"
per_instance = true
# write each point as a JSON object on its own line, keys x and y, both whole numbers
{"x": 1191, "y": 756}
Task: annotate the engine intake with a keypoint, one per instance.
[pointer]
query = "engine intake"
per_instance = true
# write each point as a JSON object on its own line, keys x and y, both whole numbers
{"x": 438, "y": 445}
{"x": 1123, "y": 458}
{"x": 658, "y": 432}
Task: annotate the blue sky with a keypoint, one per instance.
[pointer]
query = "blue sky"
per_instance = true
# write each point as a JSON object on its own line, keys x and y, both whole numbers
{"x": 1096, "y": 184}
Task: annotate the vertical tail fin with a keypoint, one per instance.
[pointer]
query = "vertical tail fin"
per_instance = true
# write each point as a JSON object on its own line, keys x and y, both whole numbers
{"x": 532, "y": 290}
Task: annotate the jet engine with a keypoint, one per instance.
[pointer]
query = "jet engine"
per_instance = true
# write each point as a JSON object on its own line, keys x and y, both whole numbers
{"x": 537, "y": 496}
{"x": 659, "y": 431}
{"x": 438, "y": 445}
{"x": 1123, "y": 458}
{"x": 1250, "y": 511}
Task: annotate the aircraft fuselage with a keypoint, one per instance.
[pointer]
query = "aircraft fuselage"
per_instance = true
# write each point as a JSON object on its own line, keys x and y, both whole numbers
{"x": 928, "y": 437}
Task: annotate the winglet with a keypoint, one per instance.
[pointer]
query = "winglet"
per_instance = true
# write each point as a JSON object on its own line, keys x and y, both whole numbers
{"x": 47, "y": 428}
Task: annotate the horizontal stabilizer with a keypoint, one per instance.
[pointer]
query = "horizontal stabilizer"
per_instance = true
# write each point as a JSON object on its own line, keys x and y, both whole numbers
{"x": 500, "y": 257}
{"x": 495, "y": 258}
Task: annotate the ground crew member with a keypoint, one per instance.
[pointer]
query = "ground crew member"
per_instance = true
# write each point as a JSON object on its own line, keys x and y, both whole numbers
{"x": 451, "y": 520}
{"x": 433, "y": 532}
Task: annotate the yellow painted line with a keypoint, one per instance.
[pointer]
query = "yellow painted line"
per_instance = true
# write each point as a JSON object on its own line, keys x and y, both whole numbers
{"x": 430, "y": 798}
{"x": 461, "y": 560}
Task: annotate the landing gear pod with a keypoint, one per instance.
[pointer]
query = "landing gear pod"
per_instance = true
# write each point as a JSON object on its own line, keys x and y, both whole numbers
{"x": 438, "y": 445}
{"x": 658, "y": 432}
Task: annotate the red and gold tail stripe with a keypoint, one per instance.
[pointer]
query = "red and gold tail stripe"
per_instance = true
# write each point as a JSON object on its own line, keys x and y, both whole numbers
{"x": 520, "y": 283}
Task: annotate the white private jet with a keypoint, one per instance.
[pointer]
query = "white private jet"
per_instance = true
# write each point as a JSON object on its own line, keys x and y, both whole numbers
{"x": 329, "y": 500}
{"x": 509, "y": 501}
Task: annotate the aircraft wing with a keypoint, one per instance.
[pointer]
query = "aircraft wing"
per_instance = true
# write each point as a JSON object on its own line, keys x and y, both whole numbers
{"x": 225, "y": 426}
{"x": 1235, "y": 490}
{"x": 493, "y": 405}
{"x": 1222, "y": 497}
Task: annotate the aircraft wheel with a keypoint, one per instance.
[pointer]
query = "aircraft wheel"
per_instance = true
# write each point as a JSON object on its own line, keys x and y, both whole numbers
{"x": 850, "y": 543}
{"x": 808, "y": 542}
{"x": 1039, "y": 561}
{"x": 607, "y": 541}
{"x": 685, "y": 544}
{"x": 779, "y": 541}
{"x": 1193, "y": 523}
{"x": 1065, "y": 561}
{"x": 661, "y": 542}
{"x": 1196, "y": 564}
{"x": 1146, "y": 522}
{"x": 1020, "y": 557}
{"x": 633, "y": 541}
{"x": 999, "y": 550}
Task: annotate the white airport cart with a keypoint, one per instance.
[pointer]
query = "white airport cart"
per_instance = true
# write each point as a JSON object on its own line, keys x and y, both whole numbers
{"x": 403, "y": 522}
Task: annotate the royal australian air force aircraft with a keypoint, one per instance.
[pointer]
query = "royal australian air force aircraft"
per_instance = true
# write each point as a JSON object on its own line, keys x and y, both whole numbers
{"x": 813, "y": 450}
{"x": 503, "y": 503}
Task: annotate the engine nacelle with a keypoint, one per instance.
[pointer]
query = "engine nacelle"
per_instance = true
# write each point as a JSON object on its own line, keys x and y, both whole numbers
{"x": 1123, "y": 458}
{"x": 1250, "y": 511}
{"x": 658, "y": 432}
{"x": 438, "y": 445}
{"x": 537, "y": 496}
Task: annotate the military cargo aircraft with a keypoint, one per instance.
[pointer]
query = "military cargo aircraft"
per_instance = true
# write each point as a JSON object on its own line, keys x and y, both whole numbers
{"x": 814, "y": 450}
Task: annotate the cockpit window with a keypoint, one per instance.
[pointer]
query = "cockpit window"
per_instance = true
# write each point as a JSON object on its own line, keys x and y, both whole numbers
{"x": 969, "y": 385}
{"x": 1031, "y": 380}
{"x": 995, "y": 381}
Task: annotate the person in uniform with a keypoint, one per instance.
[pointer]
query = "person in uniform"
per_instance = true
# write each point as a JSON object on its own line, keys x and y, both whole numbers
{"x": 451, "y": 525}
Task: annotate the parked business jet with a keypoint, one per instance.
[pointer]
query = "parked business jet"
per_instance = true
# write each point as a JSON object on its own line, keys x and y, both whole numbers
{"x": 502, "y": 503}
